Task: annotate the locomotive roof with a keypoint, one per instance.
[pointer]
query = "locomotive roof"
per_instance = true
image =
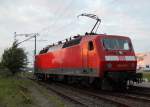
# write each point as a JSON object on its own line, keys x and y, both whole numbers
{"x": 73, "y": 41}
{"x": 62, "y": 44}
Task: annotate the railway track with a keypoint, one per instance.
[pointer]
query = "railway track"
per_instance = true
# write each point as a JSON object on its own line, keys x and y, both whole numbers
{"x": 64, "y": 95}
{"x": 126, "y": 99}
{"x": 135, "y": 96}
{"x": 81, "y": 98}
{"x": 139, "y": 89}
{"x": 141, "y": 94}
{"x": 87, "y": 97}
{"x": 59, "y": 93}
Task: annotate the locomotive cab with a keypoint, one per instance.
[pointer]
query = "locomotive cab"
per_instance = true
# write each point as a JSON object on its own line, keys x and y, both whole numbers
{"x": 119, "y": 54}
{"x": 119, "y": 60}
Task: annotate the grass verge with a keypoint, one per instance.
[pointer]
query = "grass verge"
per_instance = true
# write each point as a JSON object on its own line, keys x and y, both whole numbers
{"x": 146, "y": 75}
{"x": 16, "y": 91}
{"x": 13, "y": 92}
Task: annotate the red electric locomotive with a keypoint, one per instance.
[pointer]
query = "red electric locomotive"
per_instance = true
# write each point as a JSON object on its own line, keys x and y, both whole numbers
{"x": 99, "y": 59}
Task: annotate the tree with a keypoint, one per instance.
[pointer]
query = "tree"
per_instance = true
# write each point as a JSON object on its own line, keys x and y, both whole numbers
{"x": 0, "y": 64}
{"x": 14, "y": 59}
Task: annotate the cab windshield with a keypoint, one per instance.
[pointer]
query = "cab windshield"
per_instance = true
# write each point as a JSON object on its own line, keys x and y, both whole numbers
{"x": 116, "y": 44}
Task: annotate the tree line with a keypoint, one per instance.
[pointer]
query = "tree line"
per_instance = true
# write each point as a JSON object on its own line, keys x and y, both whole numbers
{"x": 14, "y": 59}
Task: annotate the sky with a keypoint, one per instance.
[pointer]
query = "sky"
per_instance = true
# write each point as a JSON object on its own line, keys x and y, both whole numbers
{"x": 56, "y": 20}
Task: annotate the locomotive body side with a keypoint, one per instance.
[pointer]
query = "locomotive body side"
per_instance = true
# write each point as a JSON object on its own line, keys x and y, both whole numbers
{"x": 76, "y": 60}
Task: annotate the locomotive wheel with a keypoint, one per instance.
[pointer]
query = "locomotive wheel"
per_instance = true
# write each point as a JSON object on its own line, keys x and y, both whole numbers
{"x": 97, "y": 83}
{"x": 107, "y": 85}
{"x": 40, "y": 77}
{"x": 122, "y": 85}
{"x": 50, "y": 79}
{"x": 65, "y": 79}
{"x": 37, "y": 76}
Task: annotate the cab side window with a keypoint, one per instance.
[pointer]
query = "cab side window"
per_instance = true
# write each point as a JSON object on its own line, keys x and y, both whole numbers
{"x": 90, "y": 46}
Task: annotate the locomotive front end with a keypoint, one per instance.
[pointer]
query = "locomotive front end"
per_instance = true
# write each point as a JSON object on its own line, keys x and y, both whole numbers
{"x": 120, "y": 60}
